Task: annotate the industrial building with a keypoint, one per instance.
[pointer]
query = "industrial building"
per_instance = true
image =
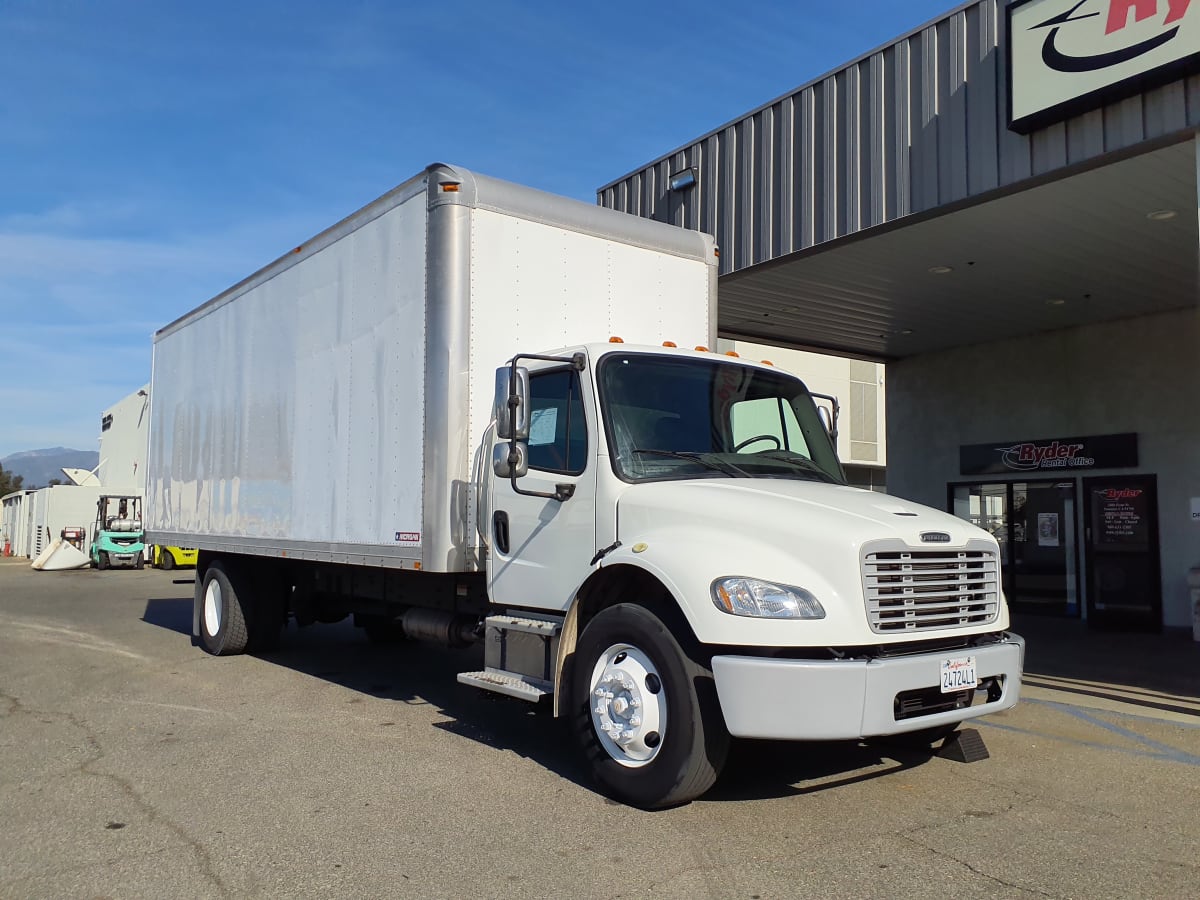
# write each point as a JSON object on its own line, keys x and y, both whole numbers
{"x": 1001, "y": 205}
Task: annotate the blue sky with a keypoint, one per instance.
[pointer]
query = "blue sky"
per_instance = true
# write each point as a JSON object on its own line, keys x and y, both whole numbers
{"x": 154, "y": 152}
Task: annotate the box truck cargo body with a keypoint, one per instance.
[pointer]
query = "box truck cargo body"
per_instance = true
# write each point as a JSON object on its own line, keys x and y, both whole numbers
{"x": 330, "y": 406}
{"x": 419, "y": 419}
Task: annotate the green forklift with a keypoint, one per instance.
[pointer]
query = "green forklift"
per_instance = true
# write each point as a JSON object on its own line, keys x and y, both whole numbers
{"x": 117, "y": 539}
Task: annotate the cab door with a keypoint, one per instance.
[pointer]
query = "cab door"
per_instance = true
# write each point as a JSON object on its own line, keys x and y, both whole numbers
{"x": 540, "y": 549}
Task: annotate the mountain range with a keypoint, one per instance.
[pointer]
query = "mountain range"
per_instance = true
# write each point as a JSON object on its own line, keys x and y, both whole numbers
{"x": 37, "y": 467}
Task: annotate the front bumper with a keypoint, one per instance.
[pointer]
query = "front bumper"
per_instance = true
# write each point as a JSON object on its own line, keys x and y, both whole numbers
{"x": 804, "y": 699}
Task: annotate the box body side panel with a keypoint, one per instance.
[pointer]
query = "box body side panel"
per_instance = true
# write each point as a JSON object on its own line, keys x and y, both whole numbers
{"x": 295, "y": 410}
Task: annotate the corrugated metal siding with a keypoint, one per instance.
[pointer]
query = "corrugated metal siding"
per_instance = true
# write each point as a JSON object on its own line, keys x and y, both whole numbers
{"x": 915, "y": 125}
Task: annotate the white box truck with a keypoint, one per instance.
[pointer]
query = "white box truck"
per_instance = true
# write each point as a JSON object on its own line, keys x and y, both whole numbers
{"x": 423, "y": 419}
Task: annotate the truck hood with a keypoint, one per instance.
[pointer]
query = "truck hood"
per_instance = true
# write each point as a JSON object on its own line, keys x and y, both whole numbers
{"x": 792, "y": 506}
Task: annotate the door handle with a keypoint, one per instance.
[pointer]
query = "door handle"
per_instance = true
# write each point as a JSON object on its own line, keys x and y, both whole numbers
{"x": 500, "y": 530}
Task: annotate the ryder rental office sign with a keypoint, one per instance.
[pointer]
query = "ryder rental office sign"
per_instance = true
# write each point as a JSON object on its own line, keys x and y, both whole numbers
{"x": 1068, "y": 56}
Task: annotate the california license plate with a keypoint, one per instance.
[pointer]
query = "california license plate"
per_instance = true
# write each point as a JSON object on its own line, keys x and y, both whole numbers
{"x": 958, "y": 674}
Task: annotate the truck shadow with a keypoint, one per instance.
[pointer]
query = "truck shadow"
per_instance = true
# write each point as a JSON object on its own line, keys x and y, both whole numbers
{"x": 173, "y": 614}
{"x": 764, "y": 770}
{"x": 413, "y": 673}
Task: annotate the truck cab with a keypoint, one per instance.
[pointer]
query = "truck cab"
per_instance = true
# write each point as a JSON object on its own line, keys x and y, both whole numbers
{"x": 686, "y": 515}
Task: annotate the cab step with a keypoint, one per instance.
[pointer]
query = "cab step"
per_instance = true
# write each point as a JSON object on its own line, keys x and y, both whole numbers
{"x": 508, "y": 684}
{"x": 520, "y": 653}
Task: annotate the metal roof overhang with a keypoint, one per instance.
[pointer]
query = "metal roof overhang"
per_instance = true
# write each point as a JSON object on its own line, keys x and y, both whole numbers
{"x": 1066, "y": 252}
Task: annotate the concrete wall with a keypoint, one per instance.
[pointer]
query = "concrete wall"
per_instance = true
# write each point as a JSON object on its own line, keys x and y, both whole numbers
{"x": 1138, "y": 375}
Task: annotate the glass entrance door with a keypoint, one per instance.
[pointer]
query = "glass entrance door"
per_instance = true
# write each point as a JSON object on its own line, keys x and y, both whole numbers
{"x": 1034, "y": 523}
{"x": 1043, "y": 548}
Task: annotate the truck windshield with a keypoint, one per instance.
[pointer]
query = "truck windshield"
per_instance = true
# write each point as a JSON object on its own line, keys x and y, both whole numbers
{"x": 675, "y": 418}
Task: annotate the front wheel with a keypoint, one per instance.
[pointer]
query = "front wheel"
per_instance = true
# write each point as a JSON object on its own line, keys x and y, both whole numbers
{"x": 647, "y": 715}
{"x": 166, "y": 559}
{"x": 102, "y": 560}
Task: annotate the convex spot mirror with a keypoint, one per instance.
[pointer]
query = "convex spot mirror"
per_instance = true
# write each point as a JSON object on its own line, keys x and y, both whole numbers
{"x": 501, "y": 461}
{"x": 508, "y": 426}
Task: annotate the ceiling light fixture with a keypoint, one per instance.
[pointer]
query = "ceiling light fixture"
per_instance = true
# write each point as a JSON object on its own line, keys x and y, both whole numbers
{"x": 1056, "y": 301}
{"x": 940, "y": 270}
{"x": 1161, "y": 215}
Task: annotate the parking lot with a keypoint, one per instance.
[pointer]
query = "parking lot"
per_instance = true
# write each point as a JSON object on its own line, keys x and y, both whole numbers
{"x": 133, "y": 764}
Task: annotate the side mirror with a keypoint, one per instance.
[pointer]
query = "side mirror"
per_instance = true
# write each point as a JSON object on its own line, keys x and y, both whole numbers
{"x": 826, "y": 419}
{"x": 828, "y": 415}
{"x": 511, "y": 424}
{"x": 502, "y": 463}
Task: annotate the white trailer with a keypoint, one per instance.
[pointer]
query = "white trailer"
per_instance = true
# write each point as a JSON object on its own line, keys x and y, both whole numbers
{"x": 409, "y": 420}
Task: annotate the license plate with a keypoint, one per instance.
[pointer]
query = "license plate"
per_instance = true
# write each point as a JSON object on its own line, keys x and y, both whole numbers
{"x": 958, "y": 674}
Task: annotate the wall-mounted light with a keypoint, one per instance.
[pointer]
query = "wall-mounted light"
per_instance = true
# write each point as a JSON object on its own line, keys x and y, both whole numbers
{"x": 683, "y": 179}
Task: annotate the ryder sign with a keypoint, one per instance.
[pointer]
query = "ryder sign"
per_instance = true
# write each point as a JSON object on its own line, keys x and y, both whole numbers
{"x": 1098, "y": 451}
{"x": 1068, "y": 56}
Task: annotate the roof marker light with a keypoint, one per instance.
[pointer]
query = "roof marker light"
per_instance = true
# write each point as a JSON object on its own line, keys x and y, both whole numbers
{"x": 616, "y": 340}
{"x": 732, "y": 353}
{"x": 766, "y": 362}
{"x": 449, "y": 187}
{"x": 701, "y": 348}
{"x": 670, "y": 344}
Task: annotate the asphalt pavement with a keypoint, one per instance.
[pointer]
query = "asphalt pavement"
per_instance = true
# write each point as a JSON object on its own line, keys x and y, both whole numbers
{"x": 132, "y": 764}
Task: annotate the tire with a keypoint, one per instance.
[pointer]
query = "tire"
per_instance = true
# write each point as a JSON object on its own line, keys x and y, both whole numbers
{"x": 166, "y": 559}
{"x": 101, "y": 560}
{"x": 140, "y": 562}
{"x": 670, "y": 740}
{"x": 222, "y": 617}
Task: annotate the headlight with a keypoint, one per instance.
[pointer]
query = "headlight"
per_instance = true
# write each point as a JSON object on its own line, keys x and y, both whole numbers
{"x": 763, "y": 599}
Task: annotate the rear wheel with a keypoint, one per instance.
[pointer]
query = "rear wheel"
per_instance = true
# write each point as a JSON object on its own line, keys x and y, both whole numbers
{"x": 646, "y": 713}
{"x": 166, "y": 559}
{"x": 222, "y": 615}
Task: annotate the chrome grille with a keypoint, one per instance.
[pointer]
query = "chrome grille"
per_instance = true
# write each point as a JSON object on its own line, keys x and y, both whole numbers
{"x": 924, "y": 590}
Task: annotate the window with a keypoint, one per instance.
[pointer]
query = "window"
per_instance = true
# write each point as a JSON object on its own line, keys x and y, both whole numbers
{"x": 677, "y": 417}
{"x": 557, "y": 428}
{"x": 765, "y": 424}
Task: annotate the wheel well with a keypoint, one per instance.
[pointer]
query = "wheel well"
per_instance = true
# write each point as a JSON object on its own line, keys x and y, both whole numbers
{"x": 607, "y": 587}
{"x": 630, "y": 584}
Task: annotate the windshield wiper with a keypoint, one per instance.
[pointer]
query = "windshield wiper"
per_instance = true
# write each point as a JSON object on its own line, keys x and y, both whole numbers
{"x": 723, "y": 466}
{"x": 800, "y": 462}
